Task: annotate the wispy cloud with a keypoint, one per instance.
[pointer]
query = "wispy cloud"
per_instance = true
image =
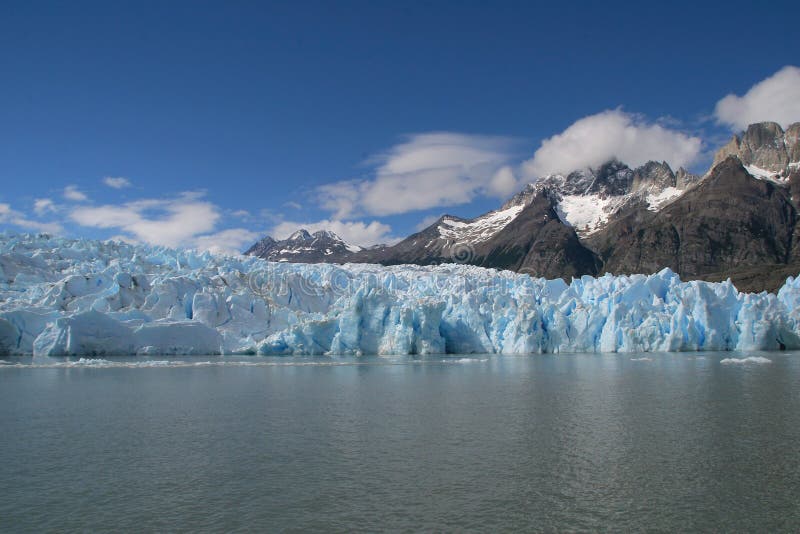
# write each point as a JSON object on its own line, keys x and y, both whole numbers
{"x": 593, "y": 140}
{"x": 116, "y": 182}
{"x": 71, "y": 192}
{"x": 425, "y": 171}
{"x": 44, "y": 205}
{"x": 776, "y": 98}
{"x": 19, "y": 219}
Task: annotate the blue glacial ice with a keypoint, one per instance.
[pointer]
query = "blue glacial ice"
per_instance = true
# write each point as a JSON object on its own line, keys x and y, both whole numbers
{"x": 93, "y": 298}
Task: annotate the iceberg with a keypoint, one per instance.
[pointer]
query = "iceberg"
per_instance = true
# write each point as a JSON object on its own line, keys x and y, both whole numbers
{"x": 103, "y": 298}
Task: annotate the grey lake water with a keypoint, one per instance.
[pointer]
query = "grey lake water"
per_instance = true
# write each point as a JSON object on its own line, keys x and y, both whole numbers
{"x": 657, "y": 442}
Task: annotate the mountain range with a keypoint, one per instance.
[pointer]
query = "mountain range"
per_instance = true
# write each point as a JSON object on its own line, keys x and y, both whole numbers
{"x": 738, "y": 221}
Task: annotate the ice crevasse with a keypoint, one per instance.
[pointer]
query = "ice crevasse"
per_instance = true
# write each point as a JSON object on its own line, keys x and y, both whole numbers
{"x": 83, "y": 297}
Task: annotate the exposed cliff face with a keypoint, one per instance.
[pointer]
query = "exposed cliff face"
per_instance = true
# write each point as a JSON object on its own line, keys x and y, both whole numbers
{"x": 766, "y": 147}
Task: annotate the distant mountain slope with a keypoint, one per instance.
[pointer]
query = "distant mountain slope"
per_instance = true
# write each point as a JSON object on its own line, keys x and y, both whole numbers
{"x": 303, "y": 247}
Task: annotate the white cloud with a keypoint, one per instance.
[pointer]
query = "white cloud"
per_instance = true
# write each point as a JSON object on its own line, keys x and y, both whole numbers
{"x": 593, "y": 140}
{"x": 355, "y": 232}
{"x": 230, "y": 241}
{"x": 116, "y": 182}
{"x": 776, "y": 98}
{"x": 43, "y": 205}
{"x": 425, "y": 171}
{"x": 16, "y": 218}
{"x": 174, "y": 222}
{"x": 71, "y": 192}
{"x": 293, "y": 205}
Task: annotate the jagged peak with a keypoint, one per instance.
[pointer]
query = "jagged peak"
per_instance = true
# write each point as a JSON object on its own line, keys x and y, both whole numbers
{"x": 300, "y": 235}
{"x": 729, "y": 163}
{"x": 764, "y": 126}
{"x": 327, "y": 234}
{"x": 653, "y": 164}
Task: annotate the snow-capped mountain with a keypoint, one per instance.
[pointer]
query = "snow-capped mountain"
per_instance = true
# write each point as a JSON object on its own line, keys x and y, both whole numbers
{"x": 540, "y": 229}
{"x": 588, "y": 199}
{"x": 302, "y": 247}
{"x": 739, "y": 220}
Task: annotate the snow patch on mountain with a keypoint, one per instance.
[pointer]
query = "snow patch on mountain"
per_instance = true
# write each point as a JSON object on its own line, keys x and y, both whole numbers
{"x": 657, "y": 200}
{"x": 479, "y": 229}
{"x": 586, "y": 214}
{"x": 765, "y": 174}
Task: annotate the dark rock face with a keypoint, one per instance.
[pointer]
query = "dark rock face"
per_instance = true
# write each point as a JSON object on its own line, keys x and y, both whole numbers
{"x": 657, "y": 174}
{"x": 261, "y": 248}
{"x": 537, "y": 242}
{"x": 729, "y": 221}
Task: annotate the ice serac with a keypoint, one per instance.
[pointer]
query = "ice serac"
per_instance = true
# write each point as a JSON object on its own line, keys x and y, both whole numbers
{"x": 92, "y": 298}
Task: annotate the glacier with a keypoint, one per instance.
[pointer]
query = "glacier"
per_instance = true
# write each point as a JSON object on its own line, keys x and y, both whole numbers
{"x": 75, "y": 297}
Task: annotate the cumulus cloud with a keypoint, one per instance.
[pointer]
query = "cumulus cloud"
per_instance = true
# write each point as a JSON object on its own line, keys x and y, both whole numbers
{"x": 43, "y": 205}
{"x": 425, "y": 171}
{"x": 71, "y": 192}
{"x": 355, "y": 232}
{"x": 172, "y": 222}
{"x": 776, "y": 98}
{"x": 116, "y": 182}
{"x": 15, "y": 218}
{"x": 593, "y": 140}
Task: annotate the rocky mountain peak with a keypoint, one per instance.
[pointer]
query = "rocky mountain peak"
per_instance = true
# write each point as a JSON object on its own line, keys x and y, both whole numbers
{"x": 791, "y": 139}
{"x": 262, "y": 247}
{"x": 684, "y": 178}
{"x": 653, "y": 175}
{"x": 304, "y": 247}
{"x": 764, "y": 148}
{"x": 300, "y": 235}
{"x": 326, "y": 234}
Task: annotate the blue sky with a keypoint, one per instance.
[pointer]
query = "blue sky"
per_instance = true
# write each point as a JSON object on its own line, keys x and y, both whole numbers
{"x": 229, "y": 120}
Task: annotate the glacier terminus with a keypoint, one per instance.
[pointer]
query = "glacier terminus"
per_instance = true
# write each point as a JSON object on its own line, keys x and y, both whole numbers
{"x": 61, "y": 297}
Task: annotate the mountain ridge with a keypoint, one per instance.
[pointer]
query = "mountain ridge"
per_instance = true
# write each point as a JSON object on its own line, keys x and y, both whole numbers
{"x": 615, "y": 219}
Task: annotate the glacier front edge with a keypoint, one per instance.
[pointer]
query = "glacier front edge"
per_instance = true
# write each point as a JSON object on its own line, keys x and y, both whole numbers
{"x": 62, "y": 297}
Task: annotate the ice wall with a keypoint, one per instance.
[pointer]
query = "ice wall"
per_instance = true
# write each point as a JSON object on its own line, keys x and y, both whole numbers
{"x": 80, "y": 297}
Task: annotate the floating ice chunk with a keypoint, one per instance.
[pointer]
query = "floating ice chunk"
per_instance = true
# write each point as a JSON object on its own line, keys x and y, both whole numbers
{"x": 741, "y": 361}
{"x": 177, "y": 337}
